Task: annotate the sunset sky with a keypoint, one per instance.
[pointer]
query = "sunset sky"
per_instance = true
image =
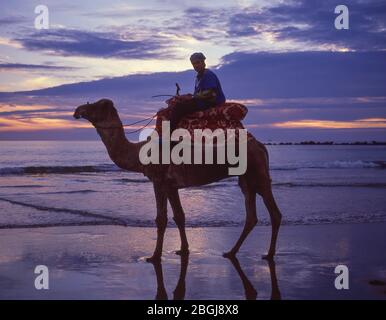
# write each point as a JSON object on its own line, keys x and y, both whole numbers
{"x": 300, "y": 77}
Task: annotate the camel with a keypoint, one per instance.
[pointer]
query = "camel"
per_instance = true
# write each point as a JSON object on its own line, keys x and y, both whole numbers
{"x": 168, "y": 179}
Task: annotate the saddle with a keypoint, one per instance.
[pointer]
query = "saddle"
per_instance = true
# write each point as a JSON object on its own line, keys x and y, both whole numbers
{"x": 224, "y": 116}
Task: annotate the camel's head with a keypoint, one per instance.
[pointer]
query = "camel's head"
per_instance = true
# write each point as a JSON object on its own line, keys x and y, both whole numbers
{"x": 101, "y": 112}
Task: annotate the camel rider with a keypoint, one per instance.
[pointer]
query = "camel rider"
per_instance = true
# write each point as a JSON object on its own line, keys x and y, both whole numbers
{"x": 207, "y": 92}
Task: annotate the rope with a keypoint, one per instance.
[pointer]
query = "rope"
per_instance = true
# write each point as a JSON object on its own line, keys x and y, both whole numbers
{"x": 130, "y": 124}
{"x": 151, "y": 119}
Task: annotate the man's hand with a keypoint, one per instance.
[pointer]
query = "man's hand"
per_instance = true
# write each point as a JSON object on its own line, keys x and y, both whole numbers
{"x": 185, "y": 97}
{"x": 208, "y": 95}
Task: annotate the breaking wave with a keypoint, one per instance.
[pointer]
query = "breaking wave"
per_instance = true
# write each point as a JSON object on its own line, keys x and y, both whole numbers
{"x": 35, "y": 170}
{"x": 40, "y": 170}
{"x": 338, "y": 164}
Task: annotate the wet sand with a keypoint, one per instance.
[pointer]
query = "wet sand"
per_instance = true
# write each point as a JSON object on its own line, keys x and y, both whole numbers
{"x": 108, "y": 262}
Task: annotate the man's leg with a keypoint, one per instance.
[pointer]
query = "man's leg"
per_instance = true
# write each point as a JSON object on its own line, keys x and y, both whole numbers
{"x": 180, "y": 110}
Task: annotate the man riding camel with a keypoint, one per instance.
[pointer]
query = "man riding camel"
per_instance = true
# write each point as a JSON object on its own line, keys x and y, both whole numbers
{"x": 207, "y": 92}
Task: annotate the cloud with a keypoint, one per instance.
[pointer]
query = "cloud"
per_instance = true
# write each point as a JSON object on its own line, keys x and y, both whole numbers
{"x": 9, "y": 43}
{"x": 262, "y": 76}
{"x": 200, "y": 24}
{"x": 70, "y": 42}
{"x": 22, "y": 108}
{"x": 22, "y": 66}
{"x": 306, "y": 24}
{"x": 5, "y": 21}
{"x": 312, "y": 21}
{"x": 14, "y": 123}
{"x": 294, "y": 104}
{"x": 283, "y": 91}
{"x": 303, "y": 74}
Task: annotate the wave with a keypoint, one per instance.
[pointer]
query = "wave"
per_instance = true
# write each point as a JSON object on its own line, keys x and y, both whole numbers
{"x": 40, "y": 170}
{"x": 82, "y": 213}
{"x": 69, "y": 192}
{"x": 352, "y": 164}
{"x": 201, "y": 224}
{"x": 338, "y": 164}
{"x": 328, "y": 185}
{"x": 34, "y": 170}
{"x": 128, "y": 180}
{"x": 23, "y": 186}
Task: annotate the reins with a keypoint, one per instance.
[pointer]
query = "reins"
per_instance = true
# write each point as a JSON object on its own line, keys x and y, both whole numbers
{"x": 150, "y": 118}
{"x": 130, "y": 124}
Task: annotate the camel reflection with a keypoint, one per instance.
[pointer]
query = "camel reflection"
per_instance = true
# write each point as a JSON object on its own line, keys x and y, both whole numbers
{"x": 275, "y": 293}
{"x": 179, "y": 292}
{"x": 249, "y": 290}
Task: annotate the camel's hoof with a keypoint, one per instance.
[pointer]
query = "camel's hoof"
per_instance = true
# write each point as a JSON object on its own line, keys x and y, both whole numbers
{"x": 268, "y": 256}
{"x": 182, "y": 252}
{"x": 229, "y": 254}
{"x": 154, "y": 259}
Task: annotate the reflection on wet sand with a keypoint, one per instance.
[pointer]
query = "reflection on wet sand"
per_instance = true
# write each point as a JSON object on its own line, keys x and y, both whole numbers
{"x": 249, "y": 290}
{"x": 180, "y": 290}
{"x": 275, "y": 293}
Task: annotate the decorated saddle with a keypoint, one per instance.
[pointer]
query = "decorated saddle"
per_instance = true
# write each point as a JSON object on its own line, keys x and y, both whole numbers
{"x": 225, "y": 116}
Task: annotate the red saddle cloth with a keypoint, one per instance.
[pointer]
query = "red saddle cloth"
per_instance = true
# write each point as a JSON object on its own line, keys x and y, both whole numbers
{"x": 225, "y": 116}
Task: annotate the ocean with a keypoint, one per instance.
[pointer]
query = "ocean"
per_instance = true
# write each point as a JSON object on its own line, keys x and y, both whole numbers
{"x": 59, "y": 183}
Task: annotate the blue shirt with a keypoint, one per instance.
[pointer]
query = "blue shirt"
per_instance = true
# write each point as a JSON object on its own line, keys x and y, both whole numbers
{"x": 208, "y": 80}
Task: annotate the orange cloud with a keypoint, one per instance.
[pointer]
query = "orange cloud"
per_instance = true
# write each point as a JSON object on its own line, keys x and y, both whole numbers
{"x": 32, "y": 124}
{"x": 17, "y": 107}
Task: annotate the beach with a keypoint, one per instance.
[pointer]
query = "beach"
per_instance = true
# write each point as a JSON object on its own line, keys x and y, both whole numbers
{"x": 68, "y": 207}
{"x": 108, "y": 262}
{"x": 82, "y": 89}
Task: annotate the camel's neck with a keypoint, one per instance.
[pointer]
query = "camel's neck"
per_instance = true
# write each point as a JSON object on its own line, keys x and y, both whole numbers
{"x": 121, "y": 151}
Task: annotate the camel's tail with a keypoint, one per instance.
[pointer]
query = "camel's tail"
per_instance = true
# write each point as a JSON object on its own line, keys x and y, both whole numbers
{"x": 261, "y": 184}
{"x": 267, "y": 158}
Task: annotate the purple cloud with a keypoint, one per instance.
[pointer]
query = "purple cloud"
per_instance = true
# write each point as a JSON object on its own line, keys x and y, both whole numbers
{"x": 69, "y": 42}
{"x": 23, "y": 66}
{"x": 313, "y": 21}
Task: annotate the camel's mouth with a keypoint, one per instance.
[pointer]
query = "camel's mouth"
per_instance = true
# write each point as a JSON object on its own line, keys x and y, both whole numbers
{"x": 79, "y": 113}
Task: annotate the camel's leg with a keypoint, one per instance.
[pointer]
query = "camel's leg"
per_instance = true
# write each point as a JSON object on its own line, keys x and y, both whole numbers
{"x": 161, "y": 221}
{"x": 250, "y": 222}
{"x": 275, "y": 216}
{"x": 179, "y": 218}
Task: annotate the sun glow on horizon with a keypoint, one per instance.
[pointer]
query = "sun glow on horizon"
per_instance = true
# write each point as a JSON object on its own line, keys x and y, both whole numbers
{"x": 332, "y": 124}
{"x": 15, "y": 123}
